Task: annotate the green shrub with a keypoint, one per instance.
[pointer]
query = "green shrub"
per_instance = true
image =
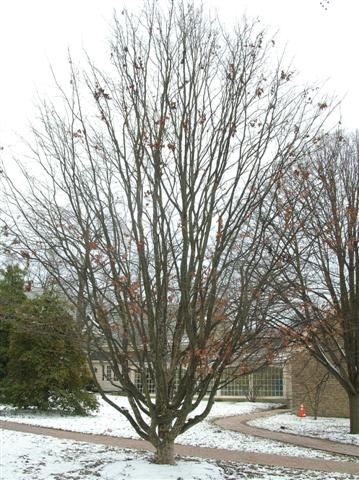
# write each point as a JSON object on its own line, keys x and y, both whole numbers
{"x": 47, "y": 367}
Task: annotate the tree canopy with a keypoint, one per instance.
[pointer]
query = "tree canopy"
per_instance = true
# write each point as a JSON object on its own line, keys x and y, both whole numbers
{"x": 149, "y": 209}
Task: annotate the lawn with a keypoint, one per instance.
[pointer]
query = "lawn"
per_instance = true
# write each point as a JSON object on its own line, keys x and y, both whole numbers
{"x": 108, "y": 421}
{"x": 26, "y": 456}
{"x": 335, "y": 429}
{"x": 29, "y": 457}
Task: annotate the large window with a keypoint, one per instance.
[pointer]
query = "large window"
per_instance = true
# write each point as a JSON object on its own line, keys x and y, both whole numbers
{"x": 266, "y": 382}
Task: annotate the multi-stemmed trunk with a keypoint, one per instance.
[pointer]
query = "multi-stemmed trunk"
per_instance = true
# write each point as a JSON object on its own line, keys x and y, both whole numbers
{"x": 156, "y": 202}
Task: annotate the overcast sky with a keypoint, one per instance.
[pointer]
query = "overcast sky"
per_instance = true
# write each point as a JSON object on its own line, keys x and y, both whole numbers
{"x": 323, "y": 44}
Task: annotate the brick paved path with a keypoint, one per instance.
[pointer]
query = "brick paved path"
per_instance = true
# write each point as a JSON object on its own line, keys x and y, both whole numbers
{"x": 202, "y": 452}
{"x": 240, "y": 424}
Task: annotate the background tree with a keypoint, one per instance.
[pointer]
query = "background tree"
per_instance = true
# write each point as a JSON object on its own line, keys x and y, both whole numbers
{"x": 317, "y": 208}
{"x": 315, "y": 392}
{"x": 11, "y": 297}
{"x": 47, "y": 366}
{"x": 149, "y": 209}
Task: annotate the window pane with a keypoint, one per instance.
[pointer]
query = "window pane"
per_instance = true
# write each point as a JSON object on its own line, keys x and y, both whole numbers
{"x": 268, "y": 382}
{"x": 139, "y": 383}
{"x": 238, "y": 387}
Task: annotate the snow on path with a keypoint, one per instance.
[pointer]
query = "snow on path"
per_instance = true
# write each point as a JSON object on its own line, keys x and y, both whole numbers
{"x": 109, "y": 422}
{"x": 335, "y": 429}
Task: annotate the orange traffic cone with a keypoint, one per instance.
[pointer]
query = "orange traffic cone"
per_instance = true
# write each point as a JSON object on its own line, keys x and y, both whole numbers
{"x": 301, "y": 412}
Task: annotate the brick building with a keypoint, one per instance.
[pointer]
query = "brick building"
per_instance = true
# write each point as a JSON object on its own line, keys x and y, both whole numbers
{"x": 312, "y": 385}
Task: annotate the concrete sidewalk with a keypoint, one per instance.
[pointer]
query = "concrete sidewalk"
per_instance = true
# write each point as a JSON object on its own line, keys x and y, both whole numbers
{"x": 240, "y": 424}
{"x": 202, "y": 452}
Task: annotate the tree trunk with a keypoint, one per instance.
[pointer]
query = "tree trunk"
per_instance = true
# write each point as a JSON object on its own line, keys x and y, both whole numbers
{"x": 165, "y": 452}
{"x": 354, "y": 413}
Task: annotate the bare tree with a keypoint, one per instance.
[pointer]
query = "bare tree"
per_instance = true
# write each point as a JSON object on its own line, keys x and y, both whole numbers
{"x": 147, "y": 210}
{"x": 318, "y": 209}
{"x": 311, "y": 381}
{"x": 315, "y": 393}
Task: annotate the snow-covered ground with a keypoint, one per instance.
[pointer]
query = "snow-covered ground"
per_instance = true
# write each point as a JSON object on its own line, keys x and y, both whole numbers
{"x": 25, "y": 456}
{"x": 335, "y": 429}
{"x": 109, "y": 422}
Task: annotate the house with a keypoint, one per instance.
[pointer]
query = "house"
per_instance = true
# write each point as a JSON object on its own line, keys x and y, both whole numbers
{"x": 269, "y": 383}
{"x": 292, "y": 381}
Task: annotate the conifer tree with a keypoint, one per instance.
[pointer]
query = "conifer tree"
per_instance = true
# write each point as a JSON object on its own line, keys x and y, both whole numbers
{"x": 47, "y": 366}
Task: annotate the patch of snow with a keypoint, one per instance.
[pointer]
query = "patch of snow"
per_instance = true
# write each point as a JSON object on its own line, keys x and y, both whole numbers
{"x": 25, "y": 456}
{"x": 28, "y": 456}
{"x": 142, "y": 469}
{"x": 335, "y": 429}
{"x": 207, "y": 434}
{"x": 109, "y": 421}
